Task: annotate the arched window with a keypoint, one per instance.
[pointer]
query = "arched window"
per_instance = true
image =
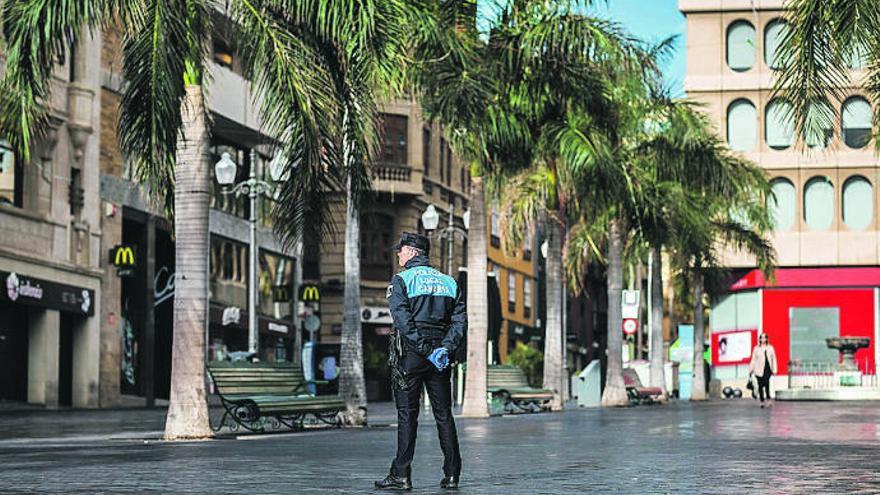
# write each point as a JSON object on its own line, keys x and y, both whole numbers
{"x": 773, "y": 35}
{"x": 782, "y": 204}
{"x": 741, "y": 46}
{"x": 858, "y": 203}
{"x": 778, "y": 125}
{"x": 819, "y": 124}
{"x": 819, "y": 203}
{"x": 742, "y": 121}
{"x": 856, "y": 122}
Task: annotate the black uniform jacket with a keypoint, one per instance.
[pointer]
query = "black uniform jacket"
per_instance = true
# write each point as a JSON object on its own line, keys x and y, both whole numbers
{"x": 427, "y": 307}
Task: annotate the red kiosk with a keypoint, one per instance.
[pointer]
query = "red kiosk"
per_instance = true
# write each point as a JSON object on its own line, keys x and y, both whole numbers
{"x": 798, "y": 310}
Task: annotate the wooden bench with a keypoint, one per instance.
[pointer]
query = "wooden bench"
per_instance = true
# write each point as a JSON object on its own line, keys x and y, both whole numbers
{"x": 253, "y": 394}
{"x": 510, "y": 385}
{"x": 637, "y": 393}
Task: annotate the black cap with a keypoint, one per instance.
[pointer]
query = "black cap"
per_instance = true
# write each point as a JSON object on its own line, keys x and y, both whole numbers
{"x": 417, "y": 241}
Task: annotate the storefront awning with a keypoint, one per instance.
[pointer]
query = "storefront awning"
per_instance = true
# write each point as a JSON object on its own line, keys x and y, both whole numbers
{"x": 810, "y": 277}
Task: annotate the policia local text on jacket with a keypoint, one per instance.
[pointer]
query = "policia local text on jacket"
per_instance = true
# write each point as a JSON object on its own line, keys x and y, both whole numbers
{"x": 429, "y": 312}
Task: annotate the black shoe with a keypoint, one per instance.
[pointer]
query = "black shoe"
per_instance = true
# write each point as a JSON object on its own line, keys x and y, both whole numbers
{"x": 393, "y": 483}
{"x": 449, "y": 483}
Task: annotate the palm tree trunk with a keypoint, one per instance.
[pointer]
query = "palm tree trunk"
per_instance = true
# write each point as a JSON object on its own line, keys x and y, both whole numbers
{"x": 554, "y": 340}
{"x": 656, "y": 309}
{"x": 615, "y": 390}
{"x": 187, "y": 406}
{"x": 351, "y": 378}
{"x": 698, "y": 391}
{"x": 475, "y": 404}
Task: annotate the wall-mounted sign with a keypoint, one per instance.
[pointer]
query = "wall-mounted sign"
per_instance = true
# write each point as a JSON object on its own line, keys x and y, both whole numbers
{"x": 734, "y": 347}
{"x": 124, "y": 258}
{"x": 21, "y": 289}
{"x": 309, "y": 293}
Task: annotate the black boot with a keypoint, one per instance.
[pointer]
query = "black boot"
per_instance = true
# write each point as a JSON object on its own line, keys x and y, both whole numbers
{"x": 449, "y": 483}
{"x": 394, "y": 483}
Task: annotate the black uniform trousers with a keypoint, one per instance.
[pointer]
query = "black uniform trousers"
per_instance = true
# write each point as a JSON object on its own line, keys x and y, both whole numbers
{"x": 420, "y": 372}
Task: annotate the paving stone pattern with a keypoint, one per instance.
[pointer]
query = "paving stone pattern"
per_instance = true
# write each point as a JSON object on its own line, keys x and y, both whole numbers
{"x": 714, "y": 448}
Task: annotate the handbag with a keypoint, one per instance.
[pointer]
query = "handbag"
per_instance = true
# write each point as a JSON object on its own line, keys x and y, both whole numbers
{"x": 752, "y": 385}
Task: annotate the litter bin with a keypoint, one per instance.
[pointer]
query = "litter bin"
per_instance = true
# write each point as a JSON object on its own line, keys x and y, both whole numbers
{"x": 589, "y": 386}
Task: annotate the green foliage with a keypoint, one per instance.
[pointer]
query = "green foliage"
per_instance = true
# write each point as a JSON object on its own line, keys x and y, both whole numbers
{"x": 530, "y": 360}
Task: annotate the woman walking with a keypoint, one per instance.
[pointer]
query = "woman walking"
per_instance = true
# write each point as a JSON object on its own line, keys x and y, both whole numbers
{"x": 763, "y": 366}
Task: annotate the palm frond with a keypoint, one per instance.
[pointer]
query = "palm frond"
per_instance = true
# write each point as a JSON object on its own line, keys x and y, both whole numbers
{"x": 37, "y": 34}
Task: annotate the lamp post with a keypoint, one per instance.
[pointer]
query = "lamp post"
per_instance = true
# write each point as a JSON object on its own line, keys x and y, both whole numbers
{"x": 430, "y": 220}
{"x": 225, "y": 171}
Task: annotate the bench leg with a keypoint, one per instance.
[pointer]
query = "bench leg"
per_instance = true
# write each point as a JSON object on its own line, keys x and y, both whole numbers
{"x": 294, "y": 422}
{"x": 222, "y": 419}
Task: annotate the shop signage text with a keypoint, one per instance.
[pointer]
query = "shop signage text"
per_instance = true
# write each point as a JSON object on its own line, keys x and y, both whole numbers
{"x": 21, "y": 289}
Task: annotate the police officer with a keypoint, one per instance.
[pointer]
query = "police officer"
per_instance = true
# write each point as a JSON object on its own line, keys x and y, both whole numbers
{"x": 430, "y": 321}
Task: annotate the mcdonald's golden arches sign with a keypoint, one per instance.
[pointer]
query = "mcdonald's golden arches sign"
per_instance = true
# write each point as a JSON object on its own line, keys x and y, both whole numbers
{"x": 124, "y": 258}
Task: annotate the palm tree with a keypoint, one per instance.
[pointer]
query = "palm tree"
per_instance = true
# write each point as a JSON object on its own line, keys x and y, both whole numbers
{"x": 822, "y": 44}
{"x": 296, "y": 57}
{"x": 562, "y": 66}
{"x": 459, "y": 86}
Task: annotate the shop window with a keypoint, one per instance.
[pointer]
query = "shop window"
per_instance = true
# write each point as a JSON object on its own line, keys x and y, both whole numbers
{"x": 511, "y": 292}
{"x": 819, "y": 203}
{"x": 527, "y": 297}
{"x": 856, "y": 122}
{"x": 394, "y": 140}
{"x": 229, "y": 271}
{"x": 774, "y": 33}
{"x": 782, "y": 204}
{"x": 741, "y": 46}
{"x": 11, "y": 176}
{"x": 808, "y": 329}
{"x": 742, "y": 120}
{"x": 778, "y": 125}
{"x": 858, "y": 203}
{"x": 377, "y": 232}
{"x": 819, "y": 125}
{"x": 276, "y": 285}
{"x": 495, "y": 228}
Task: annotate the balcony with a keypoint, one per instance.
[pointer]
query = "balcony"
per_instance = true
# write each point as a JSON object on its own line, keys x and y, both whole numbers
{"x": 395, "y": 178}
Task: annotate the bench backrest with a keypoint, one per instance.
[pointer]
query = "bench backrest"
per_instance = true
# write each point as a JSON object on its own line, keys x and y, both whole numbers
{"x": 631, "y": 378}
{"x": 506, "y": 377}
{"x": 257, "y": 378}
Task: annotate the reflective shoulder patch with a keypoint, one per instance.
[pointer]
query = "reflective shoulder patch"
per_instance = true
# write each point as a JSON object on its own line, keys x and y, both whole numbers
{"x": 426, "y": 281}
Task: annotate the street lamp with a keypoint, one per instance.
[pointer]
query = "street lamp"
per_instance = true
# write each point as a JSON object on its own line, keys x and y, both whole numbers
{"x": 431, "y": 219}
{"x": 225, "y": 171}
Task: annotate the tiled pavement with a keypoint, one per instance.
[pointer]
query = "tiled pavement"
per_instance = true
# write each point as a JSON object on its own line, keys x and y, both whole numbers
{"x": 719, "y": 447}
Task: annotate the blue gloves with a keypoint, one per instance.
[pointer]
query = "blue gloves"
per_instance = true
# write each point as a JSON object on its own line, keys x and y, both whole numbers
{"x": 439, "y": 358}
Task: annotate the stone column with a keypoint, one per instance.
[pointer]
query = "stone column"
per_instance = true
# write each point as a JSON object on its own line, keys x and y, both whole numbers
{"x": 86, "y": 362}
{"x": 43, "y": 351}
